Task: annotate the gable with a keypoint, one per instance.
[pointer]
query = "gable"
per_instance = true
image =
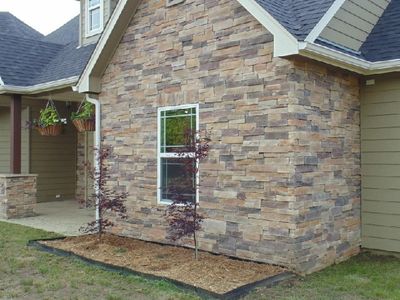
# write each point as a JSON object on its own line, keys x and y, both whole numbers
{"x": 354, "y": 22}
{"x": 332, "y": 31}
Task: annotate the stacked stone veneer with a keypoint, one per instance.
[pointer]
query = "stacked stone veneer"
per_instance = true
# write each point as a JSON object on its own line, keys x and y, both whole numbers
{"x": 282, "y": 181}
{"x": 17, "y": 196}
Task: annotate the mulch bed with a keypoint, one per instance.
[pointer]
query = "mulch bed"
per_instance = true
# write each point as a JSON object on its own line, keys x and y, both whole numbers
{"x": 216, "y": 273}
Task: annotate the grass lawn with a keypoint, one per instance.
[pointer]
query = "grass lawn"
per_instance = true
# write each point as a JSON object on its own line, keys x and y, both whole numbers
{"x": 26, "y": 273}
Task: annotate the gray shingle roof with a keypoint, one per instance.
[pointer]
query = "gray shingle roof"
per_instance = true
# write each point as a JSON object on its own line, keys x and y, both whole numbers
{"x": 65, "y": 34}
{"x": 28, "y": 58}
{"x": 68, "y": 62}
{"x": 299, "y": 17}
{"x": 23, "y": 59}
{"x": 384, "y": 41}
{"x": 10, "y": 25}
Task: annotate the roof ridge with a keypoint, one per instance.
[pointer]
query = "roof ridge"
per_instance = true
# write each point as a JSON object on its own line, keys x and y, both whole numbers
{"x": 15, "y": 22}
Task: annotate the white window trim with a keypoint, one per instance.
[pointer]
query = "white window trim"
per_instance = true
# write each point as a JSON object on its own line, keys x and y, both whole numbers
{"x": 89, "y": 32}
{"x": 166, "y": 155}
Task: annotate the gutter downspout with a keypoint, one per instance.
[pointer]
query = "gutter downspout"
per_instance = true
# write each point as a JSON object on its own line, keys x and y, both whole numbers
{"x": 97, "y": 145}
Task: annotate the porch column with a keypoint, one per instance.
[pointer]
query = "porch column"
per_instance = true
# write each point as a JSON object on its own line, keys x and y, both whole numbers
{"x": 15, "y": 135}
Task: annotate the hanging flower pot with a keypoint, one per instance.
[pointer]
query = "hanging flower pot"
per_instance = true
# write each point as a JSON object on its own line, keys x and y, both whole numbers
{"x": 49, "y": 122}
{"x": 84, "y": 117}
{"x": 84, "y": 125}
{"x": 51, "y": 130}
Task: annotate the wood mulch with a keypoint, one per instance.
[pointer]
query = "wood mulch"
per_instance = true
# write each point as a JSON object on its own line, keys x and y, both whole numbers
{"x": 216, "y": 273}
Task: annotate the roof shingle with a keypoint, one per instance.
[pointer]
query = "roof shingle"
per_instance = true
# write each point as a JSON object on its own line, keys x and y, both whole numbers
{"x": 299, "y": 17}
{"x": 28, "y": 58}
{"x": 384, "y": 41}
{"x": 10, "y": 25}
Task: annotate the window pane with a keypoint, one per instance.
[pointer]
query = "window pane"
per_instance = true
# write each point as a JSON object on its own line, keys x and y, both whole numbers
{"x": 177, "y": 183}
{"x": 93, "y": 3}
{"x": 94, "y": 19}
{"x": 175, "y": 124}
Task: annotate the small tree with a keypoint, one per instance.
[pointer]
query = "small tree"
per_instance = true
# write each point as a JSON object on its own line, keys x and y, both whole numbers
{"x": 107, "y": 200}
{"x": 182, "y": 214}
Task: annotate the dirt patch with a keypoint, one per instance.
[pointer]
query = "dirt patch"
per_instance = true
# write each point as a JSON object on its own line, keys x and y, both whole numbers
{"x": 216, "y": 273}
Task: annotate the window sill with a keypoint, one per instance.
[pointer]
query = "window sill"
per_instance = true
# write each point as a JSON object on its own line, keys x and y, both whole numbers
{"x": 93, "y": 33}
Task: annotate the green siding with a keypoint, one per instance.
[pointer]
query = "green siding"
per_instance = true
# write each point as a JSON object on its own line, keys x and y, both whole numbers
{"x": 5, "y": 141}
{"x": 54, "y": 159}
{"x": 380, "y": 147}
{"x": 353, "y": 22}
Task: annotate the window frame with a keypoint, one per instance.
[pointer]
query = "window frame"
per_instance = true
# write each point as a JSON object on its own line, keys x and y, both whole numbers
{"x": 99, "y": 6}
{"x": 161, "y": 155}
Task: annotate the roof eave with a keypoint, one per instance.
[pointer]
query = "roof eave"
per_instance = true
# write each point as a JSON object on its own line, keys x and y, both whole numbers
{"x": 346, "y": 61}
{"x": 284, "y": 42}
{"x": 39, "y": 88}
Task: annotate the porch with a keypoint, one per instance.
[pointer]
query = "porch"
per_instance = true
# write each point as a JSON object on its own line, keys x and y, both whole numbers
{"x": 51, "y": 168}
{"x": 63, "y": 217}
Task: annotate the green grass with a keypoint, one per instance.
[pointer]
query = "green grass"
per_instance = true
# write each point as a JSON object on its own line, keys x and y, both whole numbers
{"x": 366, "y": 276}
{"x": 26, "y": 273}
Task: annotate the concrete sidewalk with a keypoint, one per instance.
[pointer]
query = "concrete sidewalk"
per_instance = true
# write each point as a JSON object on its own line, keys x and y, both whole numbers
{"x": 64, "y": 217}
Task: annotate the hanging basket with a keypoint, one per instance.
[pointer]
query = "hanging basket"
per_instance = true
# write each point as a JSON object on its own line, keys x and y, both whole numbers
{"x": 84, "y": 117}
{"x": 52, "y": 130}
{"x": 85, "y": 125}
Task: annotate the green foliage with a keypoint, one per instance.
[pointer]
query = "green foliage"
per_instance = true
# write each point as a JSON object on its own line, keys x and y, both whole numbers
{"x": 85, "y": 112}
{"x": 48, "y": 116}
{"x": 175, "y": 130}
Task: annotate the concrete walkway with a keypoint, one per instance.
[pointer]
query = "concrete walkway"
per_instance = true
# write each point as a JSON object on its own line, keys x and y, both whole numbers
{"x": 64, "y": 217}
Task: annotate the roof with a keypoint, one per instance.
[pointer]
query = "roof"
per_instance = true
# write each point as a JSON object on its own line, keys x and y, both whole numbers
{"x": 10, "y": 25}
{"x": 29, "y": 58}
{"x": 23, "y": 59}
{"x": 384, "y": 41}
{"x": 65, "y": 34}
{"x": 299, "y": 17}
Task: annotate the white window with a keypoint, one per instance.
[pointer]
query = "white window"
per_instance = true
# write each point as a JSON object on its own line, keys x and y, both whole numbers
{"x": 174, "y": 124}
{"x": 94, "y": 17}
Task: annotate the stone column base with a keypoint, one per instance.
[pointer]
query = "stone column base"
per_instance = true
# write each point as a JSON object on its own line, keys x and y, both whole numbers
{"x": 17, "y": 195}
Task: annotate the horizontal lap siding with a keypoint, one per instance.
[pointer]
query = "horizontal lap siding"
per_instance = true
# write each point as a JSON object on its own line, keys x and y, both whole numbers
{"x": 54, "y": 159}
{"x": 380, "y": 132}
{"x": 5, "y": 141}
{"x": 353, "y": 23}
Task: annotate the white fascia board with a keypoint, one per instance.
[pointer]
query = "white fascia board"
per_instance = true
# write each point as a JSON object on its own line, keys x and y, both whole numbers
{"x": 315, "y": 33}
{"x": 84, "y": 83}
{"x": 284, "y": 42}
{"x": 346, "y": 61}
{"x": 39, "y": 88}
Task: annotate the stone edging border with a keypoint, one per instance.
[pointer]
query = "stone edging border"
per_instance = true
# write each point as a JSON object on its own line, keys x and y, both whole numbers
{"x": 202, "y": 293}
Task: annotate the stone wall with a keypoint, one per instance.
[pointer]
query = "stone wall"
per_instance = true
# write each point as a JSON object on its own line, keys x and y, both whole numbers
{"x": 326, "y": 185}
{"x": 281, "y": 184}
{"x": 17, "y": 196}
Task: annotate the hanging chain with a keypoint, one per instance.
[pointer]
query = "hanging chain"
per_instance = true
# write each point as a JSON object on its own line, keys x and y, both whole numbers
{"x": 50, "y": 103}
